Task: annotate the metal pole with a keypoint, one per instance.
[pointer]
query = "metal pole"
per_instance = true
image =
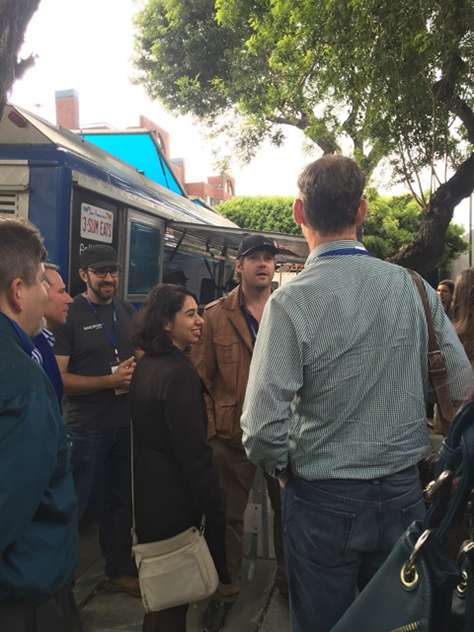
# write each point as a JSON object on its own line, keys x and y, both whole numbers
{"x": 470, "y": 231}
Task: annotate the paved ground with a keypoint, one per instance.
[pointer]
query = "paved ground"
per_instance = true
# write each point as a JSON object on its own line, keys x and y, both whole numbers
{"x": 260, "y": 607}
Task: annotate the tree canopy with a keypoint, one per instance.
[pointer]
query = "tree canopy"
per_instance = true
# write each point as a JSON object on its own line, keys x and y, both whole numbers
{"x": 272, "y": 213}
{"x": 392, "y": 222}
{"x": 14, "y": 18}
{"x": 377, "y": 80}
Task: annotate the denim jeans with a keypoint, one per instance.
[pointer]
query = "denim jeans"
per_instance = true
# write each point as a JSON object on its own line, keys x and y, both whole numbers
{"x": 337, "y": 534}
{"x": 101, "y": 470}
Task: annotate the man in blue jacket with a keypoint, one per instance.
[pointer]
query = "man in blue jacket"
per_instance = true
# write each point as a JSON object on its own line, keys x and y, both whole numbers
{"x": 54, "y": 314}
{"x": 38, "y": 526}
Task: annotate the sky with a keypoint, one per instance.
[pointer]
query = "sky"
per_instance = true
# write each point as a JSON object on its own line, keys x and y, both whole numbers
{"x": 88, "y": 45}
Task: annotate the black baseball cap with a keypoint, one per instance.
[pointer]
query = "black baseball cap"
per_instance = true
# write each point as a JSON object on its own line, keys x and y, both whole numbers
{"x": 252, "y": 242}
{"x": 96, "y": 257}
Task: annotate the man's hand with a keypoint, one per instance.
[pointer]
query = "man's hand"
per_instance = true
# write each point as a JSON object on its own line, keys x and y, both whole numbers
{"x": 122, "y": 375}
{"x": 283, "y": 480}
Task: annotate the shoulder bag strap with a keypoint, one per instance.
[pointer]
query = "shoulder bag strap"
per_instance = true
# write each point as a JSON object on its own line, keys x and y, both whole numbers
{"x": 132, "y": 480}
{"x": 436, "y": 366}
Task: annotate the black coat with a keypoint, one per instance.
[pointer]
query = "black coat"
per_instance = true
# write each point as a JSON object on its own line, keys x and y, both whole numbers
{"x": 175, "y": 480}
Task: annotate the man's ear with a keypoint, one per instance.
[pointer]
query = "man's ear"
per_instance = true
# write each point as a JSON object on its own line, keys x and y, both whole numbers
{"x": 83, "y": 274}
{"x": 298, "y": 214}
{"x": 237, "y": 265}
{"x": 14, "y": 294}
{"x": 361, "y": 212}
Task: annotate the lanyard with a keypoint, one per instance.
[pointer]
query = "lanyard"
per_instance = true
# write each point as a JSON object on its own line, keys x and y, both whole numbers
{"x": 251, "y": 324}
{"x": 112, "y": 337}
{"x": 25, "y": 341}
{"x": 343, "y": 251}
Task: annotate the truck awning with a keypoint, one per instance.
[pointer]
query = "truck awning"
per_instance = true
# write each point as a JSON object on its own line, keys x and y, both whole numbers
{"x": 225, "y": 240}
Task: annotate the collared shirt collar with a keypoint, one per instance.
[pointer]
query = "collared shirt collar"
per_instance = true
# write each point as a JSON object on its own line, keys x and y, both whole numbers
{"x": 338, "y": 244}
{"x": 252, "y": 322}
{"x": 49, "y": 336}
{"x": 24, "y": 339}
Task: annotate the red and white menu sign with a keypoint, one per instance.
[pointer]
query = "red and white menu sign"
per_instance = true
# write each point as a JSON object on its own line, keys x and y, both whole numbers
{"x": 97, "y": 223}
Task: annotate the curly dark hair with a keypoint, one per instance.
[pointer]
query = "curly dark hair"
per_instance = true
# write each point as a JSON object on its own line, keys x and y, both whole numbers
{"x": 159, "y": 308}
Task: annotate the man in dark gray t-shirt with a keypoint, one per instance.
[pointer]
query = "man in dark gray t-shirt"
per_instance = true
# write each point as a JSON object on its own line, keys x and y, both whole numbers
{"x": 96, "y": 360}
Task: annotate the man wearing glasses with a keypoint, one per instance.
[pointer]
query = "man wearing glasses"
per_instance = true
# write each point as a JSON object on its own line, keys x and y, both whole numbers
{"x": 445, "y": 292}
{"x": 96, "y": 360}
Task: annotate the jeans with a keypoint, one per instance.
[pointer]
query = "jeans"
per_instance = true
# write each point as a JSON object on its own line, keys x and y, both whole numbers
{"x": 337, "y": 534}
{"x": 101, "y": 470}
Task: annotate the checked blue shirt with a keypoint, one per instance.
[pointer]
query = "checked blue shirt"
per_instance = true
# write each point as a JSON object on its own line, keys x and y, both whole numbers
{"x": 339, "y": 377}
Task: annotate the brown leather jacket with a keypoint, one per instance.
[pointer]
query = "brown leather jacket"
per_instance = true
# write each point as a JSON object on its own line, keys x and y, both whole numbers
{"x": 222, "y": 357}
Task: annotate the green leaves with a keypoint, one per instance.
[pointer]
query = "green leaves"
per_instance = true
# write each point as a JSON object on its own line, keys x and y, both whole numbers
{"x": 273, "y": 213}
{"x": 392, "y": 223}
{"x": 377, "y": 80}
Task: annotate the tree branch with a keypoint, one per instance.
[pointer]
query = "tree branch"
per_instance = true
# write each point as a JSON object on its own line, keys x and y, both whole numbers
{"x": 302, "y": 123}
{"x": 14, "y": 18}
{"x": 425, "y": 251}
{"x": 444, "y": 89}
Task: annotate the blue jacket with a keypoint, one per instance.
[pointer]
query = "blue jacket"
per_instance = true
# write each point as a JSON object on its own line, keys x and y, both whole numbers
{"x": 39, "y": 545}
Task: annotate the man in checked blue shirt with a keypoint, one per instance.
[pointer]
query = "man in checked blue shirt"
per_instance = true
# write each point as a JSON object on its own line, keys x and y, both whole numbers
{"x": 335, "y": 406}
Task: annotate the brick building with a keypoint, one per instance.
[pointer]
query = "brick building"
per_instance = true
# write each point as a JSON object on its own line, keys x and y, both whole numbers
{"x": 146, "y": 147}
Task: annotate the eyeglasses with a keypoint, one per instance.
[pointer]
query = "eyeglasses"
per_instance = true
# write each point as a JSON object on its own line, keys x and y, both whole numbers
{"x": 101, "y": 273}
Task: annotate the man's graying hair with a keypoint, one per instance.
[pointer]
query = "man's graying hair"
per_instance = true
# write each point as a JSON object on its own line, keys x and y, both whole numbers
{"x": 50, "y": 266}
{"x": 331, "y": 189}
{"x": 21, "y": 251}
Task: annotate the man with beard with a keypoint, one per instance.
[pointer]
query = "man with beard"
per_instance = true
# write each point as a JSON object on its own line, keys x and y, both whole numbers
{"x": 96, "y": 360}
{"x": 222, "y": 357}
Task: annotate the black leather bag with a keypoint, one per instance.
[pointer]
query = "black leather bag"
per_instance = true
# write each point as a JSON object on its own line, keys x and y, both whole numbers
{"x": 420, "y": 587}
{"x": 462, "y": 607}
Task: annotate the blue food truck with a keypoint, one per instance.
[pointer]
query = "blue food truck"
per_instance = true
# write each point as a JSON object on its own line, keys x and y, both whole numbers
{"x": 80, "y": 195}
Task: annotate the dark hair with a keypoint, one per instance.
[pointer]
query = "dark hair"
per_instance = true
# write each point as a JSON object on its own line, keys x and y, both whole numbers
{"x": 463, "y": 310}
{"x": 331, "y": 189}
{"x": 449, "y": 283}
{"x": 21, "y": 251}
{"x": 159, "y": 308}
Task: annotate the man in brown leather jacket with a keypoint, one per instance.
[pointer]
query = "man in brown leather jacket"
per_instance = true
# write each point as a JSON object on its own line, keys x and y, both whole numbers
{"x": 222, "y": 358}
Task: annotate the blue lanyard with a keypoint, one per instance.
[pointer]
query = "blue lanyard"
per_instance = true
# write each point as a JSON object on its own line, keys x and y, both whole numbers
{"x": 111, "y": 336}
{"x": 250, "y": 323}
{"x": 25, "y": 341}
{"x": 343, "y": 251}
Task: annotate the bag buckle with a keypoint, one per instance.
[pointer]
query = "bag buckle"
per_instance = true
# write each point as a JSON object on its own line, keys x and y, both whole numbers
{"x": 466, "y": 549}
{"x": 433, "y": 487}
{"x": 409, "y": 574}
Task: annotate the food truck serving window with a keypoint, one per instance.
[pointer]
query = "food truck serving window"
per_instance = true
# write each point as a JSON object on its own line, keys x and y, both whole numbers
{"x": 145, "y": 247}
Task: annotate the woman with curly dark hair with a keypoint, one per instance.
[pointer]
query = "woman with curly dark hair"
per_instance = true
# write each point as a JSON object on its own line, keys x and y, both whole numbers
{"x": 463, "y": 310}
{"x": 174, "y": 479}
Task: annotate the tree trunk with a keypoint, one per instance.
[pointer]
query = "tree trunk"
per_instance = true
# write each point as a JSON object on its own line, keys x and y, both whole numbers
{"x": 425, "y": 251}
{"x": 14, "y": 18}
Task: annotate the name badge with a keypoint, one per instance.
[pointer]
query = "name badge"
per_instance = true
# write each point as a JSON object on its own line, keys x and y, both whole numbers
{"x": 113, "y": 367}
